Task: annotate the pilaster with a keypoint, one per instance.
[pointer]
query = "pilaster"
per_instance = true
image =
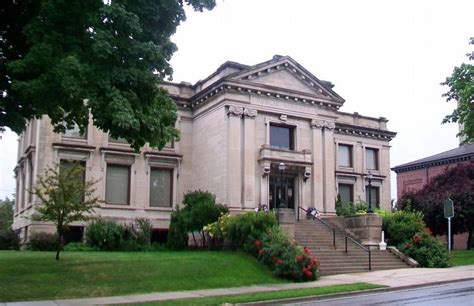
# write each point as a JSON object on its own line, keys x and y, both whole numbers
{"x": 234, "y": 159}
{"x": 249, "y": 163}
{"x": 318, "y": 164}
{"x": 329, "y": 168}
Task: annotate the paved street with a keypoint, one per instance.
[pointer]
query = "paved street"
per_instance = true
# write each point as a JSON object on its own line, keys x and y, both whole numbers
{"x": 461, "y": 293}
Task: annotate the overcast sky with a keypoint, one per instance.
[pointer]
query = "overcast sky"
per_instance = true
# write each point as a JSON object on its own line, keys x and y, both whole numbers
{"x": 386, "y": 58}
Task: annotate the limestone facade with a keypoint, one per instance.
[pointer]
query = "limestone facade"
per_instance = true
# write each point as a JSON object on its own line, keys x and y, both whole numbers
{"x": 237, "y": 126}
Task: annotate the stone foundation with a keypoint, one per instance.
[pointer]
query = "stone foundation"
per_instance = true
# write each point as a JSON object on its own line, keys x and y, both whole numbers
{"x": 286, "y": 219}
{"x": 366, "y": 228}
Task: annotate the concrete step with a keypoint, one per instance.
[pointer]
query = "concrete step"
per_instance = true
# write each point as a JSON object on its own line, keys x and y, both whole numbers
{"x": 334, "y": 260}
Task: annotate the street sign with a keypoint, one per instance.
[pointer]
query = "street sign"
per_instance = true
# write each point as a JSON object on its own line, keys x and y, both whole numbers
{"x": 449, "y": 213}
{"x": 448, "y": 208}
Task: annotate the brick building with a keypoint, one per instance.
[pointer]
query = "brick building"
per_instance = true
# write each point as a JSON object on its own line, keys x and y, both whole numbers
{"x": 414, "y": 175}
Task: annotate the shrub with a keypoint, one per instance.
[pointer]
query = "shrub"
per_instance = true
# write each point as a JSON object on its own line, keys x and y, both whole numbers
{"x": 43, "y": 242}
{"x": 401, "y": 226}
{"x": 104, "y": 235}
{"x": 344, "y": 208}
{"x": 246, "y": 228}
{"x": 78, "y": 247}
{"x": 427, "y": 250}
{"x": 137, "y": 235}
{"x": 178, "y": 233}
{"x": 201, "y": 209}
{"x": 284, "y": 258}
{"x": 9, "y": 240}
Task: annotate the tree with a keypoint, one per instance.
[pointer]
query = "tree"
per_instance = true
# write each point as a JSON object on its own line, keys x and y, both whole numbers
{"x": 66, "y": 58}
{"x": 6, "y": 214}
{"x": 461, "y": 89}
{"x": 66, "y": 197}
{"x": 456, "y": 183}
{"x": 8, "y": 238}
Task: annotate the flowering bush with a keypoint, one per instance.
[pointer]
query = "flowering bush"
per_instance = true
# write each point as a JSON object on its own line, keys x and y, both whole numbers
{"x": 218, "y": 229}
{"x": 243, "y": 230}
{"x": 401, "y": 225}
{"x": 427, "y": 250}
{"x": 285, "y": 258}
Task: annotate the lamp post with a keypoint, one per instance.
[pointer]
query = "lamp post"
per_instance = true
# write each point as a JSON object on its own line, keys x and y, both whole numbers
{"x": 369, "y": 177}
{"x": 281, "y": 167}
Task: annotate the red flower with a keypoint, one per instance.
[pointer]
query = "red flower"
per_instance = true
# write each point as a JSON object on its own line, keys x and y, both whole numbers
{"x": 299, "y": 258}
{"x": 417, "y": 239}
{"x": 428, "y": 231}
{"x": 308, "y": 273}
{"x": 261, "y": 252}
{"x": 278, "y": 262}
{"x": 408, "y": 246}
{"x": 306, "y": 251}
{"x": 258, "y": 243}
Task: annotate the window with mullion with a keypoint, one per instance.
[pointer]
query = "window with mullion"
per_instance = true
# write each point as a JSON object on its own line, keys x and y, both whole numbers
{"x": 371, "y": 159}
{"x": 344, "y": 155}
{"x": 161, "y": 187}
{"x": 282, "y": 136}
{"x": 372, "y": 195}
{"x": 346, "y": 193}
{"x": 117, "y": 185}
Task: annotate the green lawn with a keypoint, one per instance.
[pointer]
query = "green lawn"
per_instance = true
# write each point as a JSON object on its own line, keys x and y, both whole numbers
{"x": 462, "y": 257}
{"x": 36, "y": 275}
{"x": 265, "y": 296}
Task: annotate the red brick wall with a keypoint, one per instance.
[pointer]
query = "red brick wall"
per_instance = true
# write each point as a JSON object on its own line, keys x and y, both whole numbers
{"x": 416, "y": 179}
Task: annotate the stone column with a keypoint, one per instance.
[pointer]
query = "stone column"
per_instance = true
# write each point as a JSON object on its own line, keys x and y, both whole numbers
{"x": 249, "y": 159}
{"x": 234, "y": 159}
{"x": 329, "y": 168}
{"x": 317, "y": 172}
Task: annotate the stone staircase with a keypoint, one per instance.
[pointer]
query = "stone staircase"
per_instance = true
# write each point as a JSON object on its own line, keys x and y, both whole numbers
{"x": 319, "y": 239}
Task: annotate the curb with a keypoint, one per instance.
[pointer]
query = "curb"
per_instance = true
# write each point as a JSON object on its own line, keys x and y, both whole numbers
{"x": 353, "y": 293}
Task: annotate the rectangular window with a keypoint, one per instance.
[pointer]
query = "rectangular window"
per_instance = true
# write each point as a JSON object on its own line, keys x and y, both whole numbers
{"x": 346, "y": 192}
{"x": 371, "y": 159}
{"x": 66, "y": 164}
{"x": 344, "y": 155}
{"x": 75, "y": 132}
{"x": 372, "y": 196}
{"x": 117, "y": 184}
{"x": 282, "y": 136}
{"x": 160, "y": 187}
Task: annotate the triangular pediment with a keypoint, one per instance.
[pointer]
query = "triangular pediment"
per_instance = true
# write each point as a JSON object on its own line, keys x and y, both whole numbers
{"x": 287, "y": 80}
{"x": 286, "y": 74}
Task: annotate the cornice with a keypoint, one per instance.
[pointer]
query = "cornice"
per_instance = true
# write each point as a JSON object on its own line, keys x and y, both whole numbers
{"x": 241, "y": 87}
{"x": 361, "y": 131}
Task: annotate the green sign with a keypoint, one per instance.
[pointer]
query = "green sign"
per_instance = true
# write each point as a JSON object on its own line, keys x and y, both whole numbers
{"x": 448, "y": 208}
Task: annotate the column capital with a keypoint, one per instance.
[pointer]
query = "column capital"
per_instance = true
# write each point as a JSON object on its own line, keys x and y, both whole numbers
{"x": 250, "y": 113}
{"x": 329, "y": 125}
{"x": 320, "y": 124}
{"x": 317, "y": 124}
{"x": 235, "y": 111}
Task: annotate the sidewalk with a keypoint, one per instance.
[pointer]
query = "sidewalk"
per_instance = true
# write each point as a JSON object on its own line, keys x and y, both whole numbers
{"x": 400, "y": 278}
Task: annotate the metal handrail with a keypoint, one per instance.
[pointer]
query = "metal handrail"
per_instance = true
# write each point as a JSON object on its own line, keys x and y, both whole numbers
{"x": 324, "y": 223}
{"x": 366, "y": 249}
{"x": 362, "y": 247}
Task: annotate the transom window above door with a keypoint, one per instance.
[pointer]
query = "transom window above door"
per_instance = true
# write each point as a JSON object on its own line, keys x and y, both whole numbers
{"x": 282, "y": 136}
